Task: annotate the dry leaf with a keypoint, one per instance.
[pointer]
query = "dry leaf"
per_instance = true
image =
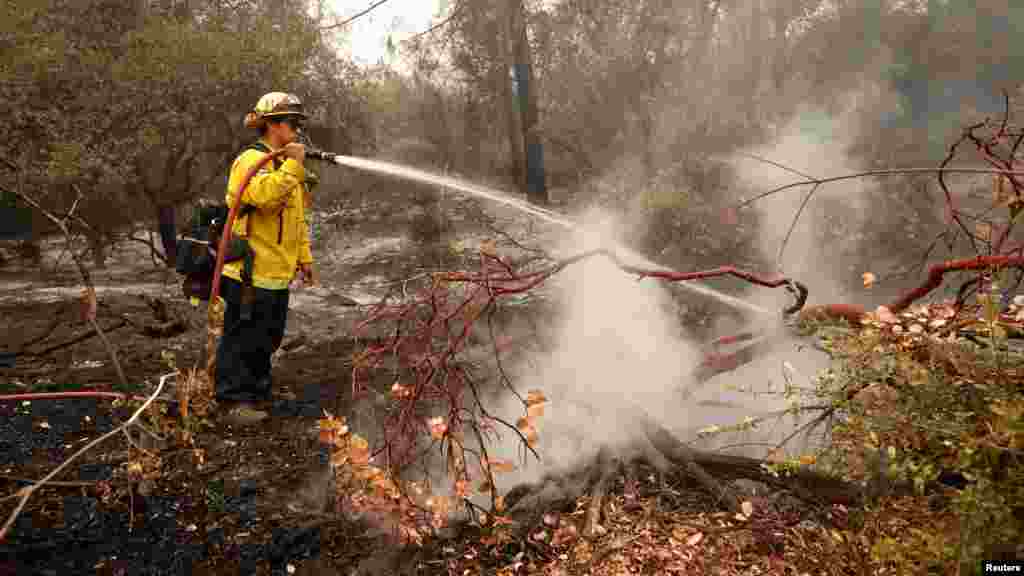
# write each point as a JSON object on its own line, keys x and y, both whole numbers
{"x": 566, "y": 533}
{"x": 503, "y": 521}
{"x": 886, "y": 315}
{"x": 461, "y": 487}
{"x": 531, "y": 437}
{"x": 534, "y": 397}
{"x": 528, "y": 431}
{"x": 331, "y": 429}
{"x": 983, "y": 231}
{"x": 695, "y": 539}
{"x": 500, "y": 466}
{"x": 437, "y": 427}
{"x": 535, "y": 411}
{"x": 747, "y": 507}
{"x": 328, "y": 436}
{"x": 489, "y": 248}
{"x": 89, "y": 304}
{"x": 399, "y": 391}
{"x": 869, "y": 279}
{"x": 358, "y": 450}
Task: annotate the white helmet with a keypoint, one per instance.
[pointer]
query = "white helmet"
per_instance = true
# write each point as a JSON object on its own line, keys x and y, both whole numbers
{"x": 274, "y": 104}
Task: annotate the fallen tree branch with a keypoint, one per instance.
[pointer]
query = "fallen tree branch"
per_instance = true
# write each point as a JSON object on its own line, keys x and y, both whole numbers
{"x": 855, "y": 314}
{"x": 27, "y": 491}
{"x": 89, "y": 303}
{"x": 54, "y": 323}
{"x": 678, "y": 453}
{"x": 77, "y": 340}
{"x": 937, "y": 271}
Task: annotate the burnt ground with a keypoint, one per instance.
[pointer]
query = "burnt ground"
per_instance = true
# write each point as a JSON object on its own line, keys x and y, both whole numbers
{"x": 228, "y": 515}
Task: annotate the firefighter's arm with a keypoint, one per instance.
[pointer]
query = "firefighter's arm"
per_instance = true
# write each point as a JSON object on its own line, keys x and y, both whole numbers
{"x": 269, "y": 188}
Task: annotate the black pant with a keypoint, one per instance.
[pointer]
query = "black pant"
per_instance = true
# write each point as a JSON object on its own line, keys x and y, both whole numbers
{"x": 243, "y": 356}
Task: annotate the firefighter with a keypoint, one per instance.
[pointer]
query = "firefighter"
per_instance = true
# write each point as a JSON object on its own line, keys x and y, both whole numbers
{"x": 272, "y": 222}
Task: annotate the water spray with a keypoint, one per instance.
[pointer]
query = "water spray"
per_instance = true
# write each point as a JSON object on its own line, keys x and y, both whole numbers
{"x": 550, "y": 216}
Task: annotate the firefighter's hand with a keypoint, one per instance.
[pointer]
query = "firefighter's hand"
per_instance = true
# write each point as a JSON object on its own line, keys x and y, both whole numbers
{"x": 296, "y": 151}
{"x": 307, "y": 274}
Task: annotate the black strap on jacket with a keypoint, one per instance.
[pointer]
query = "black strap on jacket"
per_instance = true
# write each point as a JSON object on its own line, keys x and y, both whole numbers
{"x": 278, "y": 162}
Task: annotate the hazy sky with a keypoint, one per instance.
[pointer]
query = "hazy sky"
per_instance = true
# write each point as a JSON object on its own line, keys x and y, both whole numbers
{"x": 401, "y": 18}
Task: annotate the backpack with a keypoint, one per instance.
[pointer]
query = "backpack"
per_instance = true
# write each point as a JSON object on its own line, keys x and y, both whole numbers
{"x": 196, "y": 248}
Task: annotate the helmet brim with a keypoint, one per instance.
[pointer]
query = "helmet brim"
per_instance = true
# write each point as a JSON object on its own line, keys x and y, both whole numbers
{"x": 299, "y": 113}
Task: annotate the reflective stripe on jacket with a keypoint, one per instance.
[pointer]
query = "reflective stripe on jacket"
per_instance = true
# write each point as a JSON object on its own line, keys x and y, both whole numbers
{"x": 276, "y": 229}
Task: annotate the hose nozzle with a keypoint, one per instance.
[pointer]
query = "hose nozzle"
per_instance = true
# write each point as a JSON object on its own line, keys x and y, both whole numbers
{"x": 311, "y": 150}
{"x": 317, "y": 154}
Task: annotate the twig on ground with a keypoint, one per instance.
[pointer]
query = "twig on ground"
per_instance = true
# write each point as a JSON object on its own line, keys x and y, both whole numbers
{"x": 110, "y": 348}
{"x": 18, "y": 479}
{"x": 27, "y": 491}
{"x": 87, "y": 336}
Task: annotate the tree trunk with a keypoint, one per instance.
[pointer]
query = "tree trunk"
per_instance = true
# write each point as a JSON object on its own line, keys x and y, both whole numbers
{"x": 98, "y": 247}
{"x": 515, "y": 135}
{"x": 141, "y": 11}
{"x": 536, "y": 186}
{"x": 166, "y": 223}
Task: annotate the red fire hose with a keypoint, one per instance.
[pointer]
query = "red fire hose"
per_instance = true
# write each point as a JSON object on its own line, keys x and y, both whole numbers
{"x": 211, "y": 318}
{"x": 232, "y": 214}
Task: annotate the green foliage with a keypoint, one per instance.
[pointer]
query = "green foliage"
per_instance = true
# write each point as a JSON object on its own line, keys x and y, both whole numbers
{"x": 135, "y": 109}
{"x": 215, "y": 495}
{"x": 929, "y": 406}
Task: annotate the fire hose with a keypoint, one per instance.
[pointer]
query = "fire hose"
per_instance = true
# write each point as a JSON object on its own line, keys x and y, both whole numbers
{"x": 215, "y": 309}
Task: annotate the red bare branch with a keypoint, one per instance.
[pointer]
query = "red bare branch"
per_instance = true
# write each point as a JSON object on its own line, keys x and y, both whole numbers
{"x": 937, "y": 271}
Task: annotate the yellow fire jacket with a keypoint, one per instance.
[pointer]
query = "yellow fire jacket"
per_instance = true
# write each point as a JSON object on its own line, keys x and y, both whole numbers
{"x": 276, "y": 228}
